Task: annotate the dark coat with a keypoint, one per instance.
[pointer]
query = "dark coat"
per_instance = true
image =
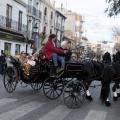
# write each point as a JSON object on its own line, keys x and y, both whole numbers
{"x": 2, "y": 60}
{"x": 66, "y": 55}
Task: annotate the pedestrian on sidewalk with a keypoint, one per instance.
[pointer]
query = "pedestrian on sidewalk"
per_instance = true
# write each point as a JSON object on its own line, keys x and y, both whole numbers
{"x": 2, "y": 63}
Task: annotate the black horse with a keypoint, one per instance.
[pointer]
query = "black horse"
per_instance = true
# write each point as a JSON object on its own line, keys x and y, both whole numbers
{"x": 111, "y": 72}
{"x": 92, "y": 71}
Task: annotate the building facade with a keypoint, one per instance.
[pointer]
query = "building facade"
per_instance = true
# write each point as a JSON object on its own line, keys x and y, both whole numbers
{"x": 59, "y": 25}
{"x": 117, "y": 43}
{"x": 13, "y": 26}
{"x": 48, "y": 18}
{"x": 74, "y": 22}
{"x": 34, "y": 20}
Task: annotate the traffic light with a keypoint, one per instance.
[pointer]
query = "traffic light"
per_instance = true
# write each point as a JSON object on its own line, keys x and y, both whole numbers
{"x": 32, "y": 46}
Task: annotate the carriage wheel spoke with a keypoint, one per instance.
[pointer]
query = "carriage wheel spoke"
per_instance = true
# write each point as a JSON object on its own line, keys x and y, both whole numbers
{"x": 48, "y": 91}
{"x": 7, "y": 87}
{"x": 79, "y": 99}
{"x": 53, "y": 94}
{"x": 69, "y": 100}
{"x": 56, "y": 92}
{"x": 72, "y": 101}
{"x": 11, "y": 86}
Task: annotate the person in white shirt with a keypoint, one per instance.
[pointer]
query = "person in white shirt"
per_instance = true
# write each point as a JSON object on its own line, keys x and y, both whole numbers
{"x": 30, "y": 61}
{"x": 34, "y": 56}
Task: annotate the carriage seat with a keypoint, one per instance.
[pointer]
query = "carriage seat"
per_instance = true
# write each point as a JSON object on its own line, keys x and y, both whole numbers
{"x": 15, "y": 61}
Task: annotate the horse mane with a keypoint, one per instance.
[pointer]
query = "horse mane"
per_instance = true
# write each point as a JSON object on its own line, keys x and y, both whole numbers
{"x": 107, "y": 57}
{"x": 118, "y": 56}
{"x": 114, "y": 57}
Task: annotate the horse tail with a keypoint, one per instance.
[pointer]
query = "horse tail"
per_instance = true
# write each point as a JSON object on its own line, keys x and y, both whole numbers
{"x": 105, "y": 90}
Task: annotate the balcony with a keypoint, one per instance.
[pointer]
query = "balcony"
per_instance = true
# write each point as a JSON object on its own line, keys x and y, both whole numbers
{"x": 7, "y": 23}
{"x": 32, "y": 10}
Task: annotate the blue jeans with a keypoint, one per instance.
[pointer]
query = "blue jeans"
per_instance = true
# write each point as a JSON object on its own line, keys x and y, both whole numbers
{"x": 57, "y": 58}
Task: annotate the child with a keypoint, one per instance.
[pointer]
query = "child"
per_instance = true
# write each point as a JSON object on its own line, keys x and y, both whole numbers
{"x": 30, "y": 61}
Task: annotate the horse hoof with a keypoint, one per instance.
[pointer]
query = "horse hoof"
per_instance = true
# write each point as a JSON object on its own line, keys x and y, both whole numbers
{"x": 89, "y": 98}
{"x": 115, "y": 98}
{"x": 107, "y": 103}
{"x": 118, "y": 94}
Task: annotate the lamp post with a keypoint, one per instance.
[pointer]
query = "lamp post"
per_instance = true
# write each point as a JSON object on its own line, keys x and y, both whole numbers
{"x": 35, "y": 37}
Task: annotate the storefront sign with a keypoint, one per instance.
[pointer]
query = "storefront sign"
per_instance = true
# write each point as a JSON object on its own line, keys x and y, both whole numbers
{"x": 12, "y": 37}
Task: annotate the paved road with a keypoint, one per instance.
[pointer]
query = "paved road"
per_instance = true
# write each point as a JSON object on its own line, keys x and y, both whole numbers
{"x": 27, "y": 104}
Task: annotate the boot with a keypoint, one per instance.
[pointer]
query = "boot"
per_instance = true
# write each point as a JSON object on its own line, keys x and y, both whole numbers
{"x": 59, "y": 70}
{"x": 54, "y": 73}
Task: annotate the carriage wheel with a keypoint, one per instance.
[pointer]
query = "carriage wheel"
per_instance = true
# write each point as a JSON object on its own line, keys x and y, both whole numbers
{"x": 36, "y": 86}
{"x": 74, "y": 94}
{"x": 9, "y": 79}
{"x": 53, "y": 88}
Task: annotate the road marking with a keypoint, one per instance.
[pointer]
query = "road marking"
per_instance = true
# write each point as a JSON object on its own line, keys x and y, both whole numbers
{"x": 57, "y": 114}
{"x": 96, "y": 115}
{"x": 6, "y": 101}
{"x": 20, "y": 111}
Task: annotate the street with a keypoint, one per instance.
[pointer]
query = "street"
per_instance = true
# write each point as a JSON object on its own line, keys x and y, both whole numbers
{"x": 26, "y": 104}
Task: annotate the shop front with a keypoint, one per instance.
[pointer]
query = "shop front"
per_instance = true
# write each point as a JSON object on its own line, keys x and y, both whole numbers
{"x": 11, "y": 44}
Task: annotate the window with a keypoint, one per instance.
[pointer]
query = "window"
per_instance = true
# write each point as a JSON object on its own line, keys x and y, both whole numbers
{"x": 17, "y": 49}
{"x": 45, "y": 11}
{"x": 51, "y": 15}
{"x": 20, "y": 21}
{"x": 44, "y": 30}
{"x": 8, "y": 16}
{"x": 50, "y": 31}
{"x": 7, "y": 48}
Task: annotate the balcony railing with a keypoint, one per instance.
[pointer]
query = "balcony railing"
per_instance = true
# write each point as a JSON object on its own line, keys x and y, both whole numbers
{"x": 11, "y": 24}
{"x": 32, "y": 10}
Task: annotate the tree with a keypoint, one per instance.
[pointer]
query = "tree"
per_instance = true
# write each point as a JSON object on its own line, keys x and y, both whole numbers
{"x": 113, "y": 7}
{"x": 116, "y": 31}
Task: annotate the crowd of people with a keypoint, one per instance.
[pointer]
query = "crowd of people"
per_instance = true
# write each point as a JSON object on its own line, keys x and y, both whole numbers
{"x": 50, "y": 51}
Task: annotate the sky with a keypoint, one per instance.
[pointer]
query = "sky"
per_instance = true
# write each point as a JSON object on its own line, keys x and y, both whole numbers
{"x": 98, "y": 25}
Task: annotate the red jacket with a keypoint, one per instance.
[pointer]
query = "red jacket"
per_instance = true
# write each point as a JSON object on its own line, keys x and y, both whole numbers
{"x": 50, "y": 49}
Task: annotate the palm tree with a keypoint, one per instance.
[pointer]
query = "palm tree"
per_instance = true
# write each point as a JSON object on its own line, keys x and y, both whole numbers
{"x": 113, "y": 7}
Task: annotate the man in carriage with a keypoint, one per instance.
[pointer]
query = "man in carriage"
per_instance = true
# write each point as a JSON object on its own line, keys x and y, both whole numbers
{"x": 51, "y": 52}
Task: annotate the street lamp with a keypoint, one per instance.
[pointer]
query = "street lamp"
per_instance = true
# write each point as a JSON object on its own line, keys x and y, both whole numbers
{"x": 33, "y": 40}
{"x": 35, "y": 37}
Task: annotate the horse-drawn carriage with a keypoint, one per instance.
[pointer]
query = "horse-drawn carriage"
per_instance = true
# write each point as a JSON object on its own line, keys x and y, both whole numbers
{"x": 72, "y": 82}
{"x": 40, "y": 76}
